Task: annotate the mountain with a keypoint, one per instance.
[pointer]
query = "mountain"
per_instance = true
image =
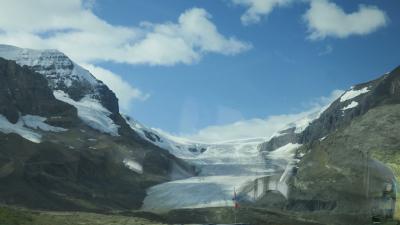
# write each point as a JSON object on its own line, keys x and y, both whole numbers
{"x": 348, "y": 153}
{"x": 63, "y": 143}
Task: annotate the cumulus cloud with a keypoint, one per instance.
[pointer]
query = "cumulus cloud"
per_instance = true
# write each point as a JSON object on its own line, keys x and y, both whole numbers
{"x": 125, "y": 92}
{"x": 71, "y": 27}
{"x": 326, "y": 19}
{"x": 257, "y": 127}
{"x": 256, "y": 9}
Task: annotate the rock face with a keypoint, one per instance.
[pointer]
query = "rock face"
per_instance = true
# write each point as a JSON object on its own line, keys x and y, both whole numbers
{"x": 23, "y": 92}
{"x": 349, "y": 153}
{"x": 382, "y": 91}
{"x": 74, "y": 164}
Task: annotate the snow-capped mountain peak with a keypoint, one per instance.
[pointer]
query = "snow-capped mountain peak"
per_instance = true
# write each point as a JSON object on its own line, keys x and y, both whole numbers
{"x": 78, "y": 84}
{"x": 56, "y": 66}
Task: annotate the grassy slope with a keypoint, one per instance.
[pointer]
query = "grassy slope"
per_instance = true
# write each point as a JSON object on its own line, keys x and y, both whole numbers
{"x": 10, "y": 216}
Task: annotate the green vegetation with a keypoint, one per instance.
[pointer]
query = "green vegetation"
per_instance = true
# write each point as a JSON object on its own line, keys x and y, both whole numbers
{"x": 14, "y": 217}
{"x": 11, "y": 216}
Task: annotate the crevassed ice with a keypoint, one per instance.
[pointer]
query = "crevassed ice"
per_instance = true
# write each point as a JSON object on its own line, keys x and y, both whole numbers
{"x": 26, "y": 126}
{"x": 223, "y": 167}
{"x": 353, "y": 93}
{"x": 91, "y": 112}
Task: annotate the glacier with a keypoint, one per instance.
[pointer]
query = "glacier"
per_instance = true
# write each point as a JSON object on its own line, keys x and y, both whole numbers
{"x": 223, "y": 167}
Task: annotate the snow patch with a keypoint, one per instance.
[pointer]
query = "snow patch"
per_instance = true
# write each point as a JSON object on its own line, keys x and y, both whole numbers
{"x": 133, "y": 165}
{"x": 353, "y": 104}
{"x": 353, "y": 93}
{"x": 25, "y": 127}
{"x": 91, "y": 112}
{"x": 37, "y": 122}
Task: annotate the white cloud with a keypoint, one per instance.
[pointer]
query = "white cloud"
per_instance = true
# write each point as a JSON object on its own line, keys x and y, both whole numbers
{"x": 125, "y": 92}
{"x": 258, "y": 128}
{"x": 326, "y": 19}
{"x": 258, "y": 8}
{"x": 183, "y": 42}
{"x": 71, "y": 27}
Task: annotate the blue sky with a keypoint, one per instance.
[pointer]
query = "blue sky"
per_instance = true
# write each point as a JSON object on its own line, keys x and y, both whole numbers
{"x": 270, "y": 61}
{"x": 282, "y": 73}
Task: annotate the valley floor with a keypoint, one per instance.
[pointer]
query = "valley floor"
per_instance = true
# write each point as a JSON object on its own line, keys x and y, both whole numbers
{"x": 13, "y": 216}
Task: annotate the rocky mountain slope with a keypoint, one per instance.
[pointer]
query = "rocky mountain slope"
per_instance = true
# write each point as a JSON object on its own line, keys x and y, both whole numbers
{"x": 179, "y": 147}
{"x": 348, "y": 153}
{"x": 64, "y": 144}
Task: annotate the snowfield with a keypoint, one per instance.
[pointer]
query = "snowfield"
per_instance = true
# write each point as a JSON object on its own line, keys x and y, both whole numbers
{"x": 53, "y": 64}
{"x": 91, "y": 112}
{"x": 28, "y": 127}
{"x": 37, "y": 122}
{"x": 348, "y": 95}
